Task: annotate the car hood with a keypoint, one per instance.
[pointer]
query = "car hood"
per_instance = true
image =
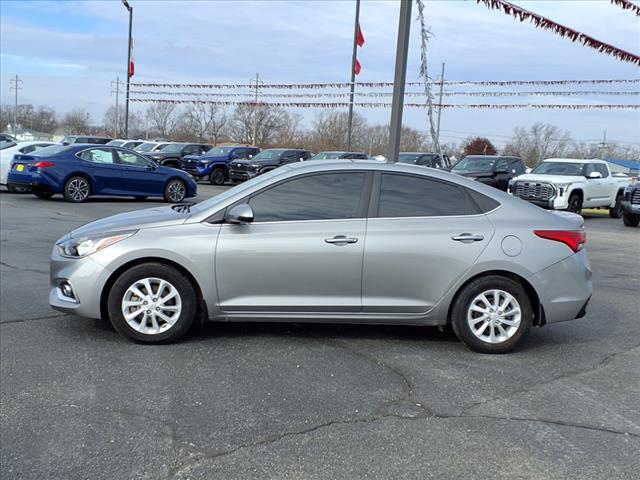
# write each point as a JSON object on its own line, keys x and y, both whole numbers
{"x": 206, "y": 158}
{"x": 473, "y": 174}
{"x": 147, "y": 218}
{"x": 532, "y": 177}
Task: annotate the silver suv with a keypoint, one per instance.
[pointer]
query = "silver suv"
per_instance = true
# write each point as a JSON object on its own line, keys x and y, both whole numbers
{"x": 332, "y": 241}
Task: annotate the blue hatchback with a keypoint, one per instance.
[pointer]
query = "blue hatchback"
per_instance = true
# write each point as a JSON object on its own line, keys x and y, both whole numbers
{"x": 79, "y": 171}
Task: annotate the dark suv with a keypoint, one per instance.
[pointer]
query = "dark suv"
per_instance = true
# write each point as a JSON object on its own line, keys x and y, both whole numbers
{"x": 432, "y": 160}
{"x": 172, "y": 154}
{"x": 214, "y": 164}
{"x": 494, "y": 170}
{"x": 266, "y": 161}
{"x": 631, "y": 205}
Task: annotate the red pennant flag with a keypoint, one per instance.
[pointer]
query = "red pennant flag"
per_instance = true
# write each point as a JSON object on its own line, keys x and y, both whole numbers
{"x": 360, "y": 40}
{"x": 357, "y": 67}
{"x": 132, "y": 68}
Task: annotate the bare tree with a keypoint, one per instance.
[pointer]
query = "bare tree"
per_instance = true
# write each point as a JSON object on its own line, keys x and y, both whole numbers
{"x": 330, "y": 131}
{"x": 205, "y": 120}
{"x": 163, "y": 118}
{"x": 540, "y": 141}
{"x": 269, "y": 122}
{"x": 75, "y": 122}
{"x": 42, "y": 119}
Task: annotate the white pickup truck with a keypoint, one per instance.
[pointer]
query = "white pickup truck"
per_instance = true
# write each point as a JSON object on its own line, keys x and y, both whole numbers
{"x": 568, "y": 184}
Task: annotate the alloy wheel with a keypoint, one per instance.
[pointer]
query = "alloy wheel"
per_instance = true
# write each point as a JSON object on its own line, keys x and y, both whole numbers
{"x": 176, "y": 191}
{"x": 494, "y": 316}
{"x": 78, "y": 189}
{"x": 151, "y": 306}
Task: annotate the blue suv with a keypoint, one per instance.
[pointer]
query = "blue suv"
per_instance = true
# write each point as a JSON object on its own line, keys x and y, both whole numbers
{"x": 214, "y": 163}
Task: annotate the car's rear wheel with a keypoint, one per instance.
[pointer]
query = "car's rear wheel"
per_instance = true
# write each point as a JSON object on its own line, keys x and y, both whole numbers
{"x": 616, "y": 211}
{"x": 77, "y": 189}
{"x": 575, "y": 203}
{"x": 152, "y": 303}
{"x": 491, "y": 314}
{"x": 44, "y": 194}
{"x": 175, "y": 191}
{"x": 630, "y": 220}
{"x": 218, "y": 176}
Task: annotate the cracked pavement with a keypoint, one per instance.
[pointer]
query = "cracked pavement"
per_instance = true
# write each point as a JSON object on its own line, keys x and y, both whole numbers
{"x": 310, "y": 401}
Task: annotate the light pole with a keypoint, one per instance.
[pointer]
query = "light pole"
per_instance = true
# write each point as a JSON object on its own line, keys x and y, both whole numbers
{"x": 126, "y": 108}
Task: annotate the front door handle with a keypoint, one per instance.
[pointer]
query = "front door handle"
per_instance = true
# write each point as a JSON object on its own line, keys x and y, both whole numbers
{"x": 341, "y": 240}
{"x": 467, "y": 238}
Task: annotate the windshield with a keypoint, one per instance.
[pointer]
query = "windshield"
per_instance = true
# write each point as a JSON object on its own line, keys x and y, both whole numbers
{"x": 560, "y": 168}
{"x": 268, "y": 154}
{"x": 145, "y": 147}
{"x": 327, "y": 155}
{"x": 52, "y": 150}
{"x": 474, "y": 164}
{"x": 115, "y": 143}
{"x": 219, "y": 150}
{"x": 173, "y": 148}
{"x": 213, "y": 201}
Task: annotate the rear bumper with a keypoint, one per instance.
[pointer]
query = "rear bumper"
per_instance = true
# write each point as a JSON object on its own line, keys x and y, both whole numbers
{"x": 35, "y": 181}
{"x": 565, "y": 288}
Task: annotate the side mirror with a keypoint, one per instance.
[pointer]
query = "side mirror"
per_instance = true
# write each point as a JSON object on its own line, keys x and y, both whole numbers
{"x": 240, "y": 214}
{"x": 595, "y": 175}
{"x": 151, "y": 167}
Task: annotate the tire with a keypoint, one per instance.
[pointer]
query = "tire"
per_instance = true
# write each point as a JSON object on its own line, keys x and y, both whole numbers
{"x": 77, "y": 189}
{"x": 630, "y": 220}
{"x": 484, "y": 336}
{"x": 616, "y": 211}
{"x": 575, "y": 204}
{"x": 175, "y": 191}
{"x": 140, "y": 198}
{"x": 218, "y": 176}
{"x": 43, "y": 194}
{"x": 161, "y": 322}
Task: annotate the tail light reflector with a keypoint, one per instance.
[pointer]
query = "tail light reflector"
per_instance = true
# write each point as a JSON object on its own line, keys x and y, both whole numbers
{"x": 574, "y": 239}
{"x": 44, "y": 164}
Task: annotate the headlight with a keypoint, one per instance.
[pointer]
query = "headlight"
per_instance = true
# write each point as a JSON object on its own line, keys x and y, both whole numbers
{"x": 562, "y": 188}
{"x": 254, "y": 168}
{"x": 83, "y": 246}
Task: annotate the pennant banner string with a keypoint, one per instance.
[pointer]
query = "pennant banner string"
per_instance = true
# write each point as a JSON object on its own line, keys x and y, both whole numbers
{"x": 627, "y": 5}
{"x": 539, "y": 21}
{"x": 388, "y": 105}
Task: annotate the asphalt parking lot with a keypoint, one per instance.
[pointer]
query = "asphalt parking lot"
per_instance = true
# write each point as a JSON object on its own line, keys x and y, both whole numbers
{"x": 310, "y": 401}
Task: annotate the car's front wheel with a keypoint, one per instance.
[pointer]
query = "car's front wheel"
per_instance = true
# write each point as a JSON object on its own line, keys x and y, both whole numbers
{"x": 218, "y": 176}
{"x": 152, "y": 303}
{"x": 575, "y": 203}
{"x": 616, "y": 211}
{"x": 630, "y": 220}
{"x": 77, "y": 189}
{"x": 491, "y": 314}
{"x": 175, "y": 191}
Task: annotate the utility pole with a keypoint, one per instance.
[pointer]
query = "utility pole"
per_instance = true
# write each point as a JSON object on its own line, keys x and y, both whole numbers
{"x": 395, "y": 130}
{"x": 440, "y": 104}
{"x": 126, "y": 108}
{"x": 353, "y": 73}
{"x": 15, "y": 84}
{"x": 603, "y": 145}
{"x": 255, "y": 109}
{"x": 117, "y": 92}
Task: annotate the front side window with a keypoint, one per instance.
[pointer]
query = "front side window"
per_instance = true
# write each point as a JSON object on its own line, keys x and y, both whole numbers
{"x": 412, "y": 196}
{"x": 191, "y": 150}
{"x": 316, "y": 197}
{"x": 501, "y": 165}
{"x": 602, "y": 169}
{"x": 517, "y": 166}
{"x": 131, "y": 159}
{"x": 97, "y": 155}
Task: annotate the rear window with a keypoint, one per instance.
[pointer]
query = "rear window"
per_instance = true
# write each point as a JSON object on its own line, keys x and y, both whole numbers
{"x": 52, "y": 150}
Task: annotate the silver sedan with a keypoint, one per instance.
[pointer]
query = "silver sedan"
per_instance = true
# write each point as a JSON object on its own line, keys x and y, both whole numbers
{"x": 336, "y": 241}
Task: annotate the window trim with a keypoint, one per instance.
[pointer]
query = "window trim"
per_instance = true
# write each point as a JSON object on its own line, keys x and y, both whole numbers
{"x": 374, "y": 205}
{"x": 363, "y": 203}
{"x": 97, "y": 147}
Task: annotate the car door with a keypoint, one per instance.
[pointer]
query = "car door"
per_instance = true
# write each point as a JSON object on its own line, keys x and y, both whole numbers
{"x": 191, "y": 150}
{"x": 102, "y": 167}
{"x": 502, "y": 174}
{"x": 423, "y": 234}
{"x": 289, "y": 156}
{"x": 139, "y": 175}
{"x": 303, "y": 251}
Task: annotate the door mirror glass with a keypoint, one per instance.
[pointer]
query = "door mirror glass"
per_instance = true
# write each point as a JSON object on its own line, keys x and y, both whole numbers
{"x": 242, "y": 213}
{"x": 594, "y": 175}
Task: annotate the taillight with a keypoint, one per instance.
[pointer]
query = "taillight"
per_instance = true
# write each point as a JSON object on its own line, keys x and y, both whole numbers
{"x": 44, "y": 164}
{"x": 574, "y": 239}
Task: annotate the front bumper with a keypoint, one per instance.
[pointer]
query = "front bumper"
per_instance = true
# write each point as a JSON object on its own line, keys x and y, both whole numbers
{"x": 630, "y": 208}
{"x": 241, "y": 176}
{"x": 196, "y": 171}
{"x": 564, "y": 288}
{"x": 87, "y": 279}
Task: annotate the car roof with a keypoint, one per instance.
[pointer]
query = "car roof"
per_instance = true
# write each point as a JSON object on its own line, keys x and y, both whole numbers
{"x": 575, "y": 160}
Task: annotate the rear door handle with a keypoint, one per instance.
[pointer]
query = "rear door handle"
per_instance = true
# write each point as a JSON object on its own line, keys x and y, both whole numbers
{"x": 467, "y": 238}
{"x": 341, "y": 240}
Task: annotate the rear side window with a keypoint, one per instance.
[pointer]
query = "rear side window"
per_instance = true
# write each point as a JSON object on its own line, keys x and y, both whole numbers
{"x": 314, "y": 197}
{"x": 97, "y": 155}
{"x": 412, "y": 196}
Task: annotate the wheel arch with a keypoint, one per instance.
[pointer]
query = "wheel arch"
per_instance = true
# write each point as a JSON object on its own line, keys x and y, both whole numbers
{"x": 538, "y": 310}
{"x": 104, "y": 295}
{"x": 578, "y": 191}
{"x": 85, "y": 175}
{"x": 169, "y": 162}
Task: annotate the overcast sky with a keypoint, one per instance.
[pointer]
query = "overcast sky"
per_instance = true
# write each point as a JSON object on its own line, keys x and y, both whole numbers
{"x": 67, "y": 52}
